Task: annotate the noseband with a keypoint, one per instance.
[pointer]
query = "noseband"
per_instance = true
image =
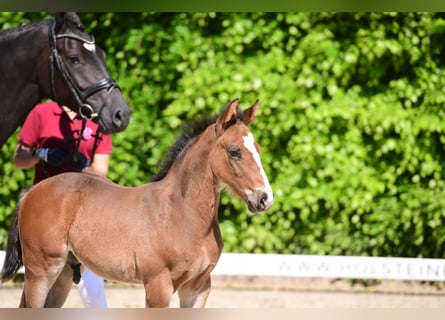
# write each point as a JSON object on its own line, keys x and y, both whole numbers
{"x": 85, "y": 110}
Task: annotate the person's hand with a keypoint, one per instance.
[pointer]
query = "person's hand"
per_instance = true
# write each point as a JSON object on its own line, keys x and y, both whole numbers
{"x": 52, "y": 156}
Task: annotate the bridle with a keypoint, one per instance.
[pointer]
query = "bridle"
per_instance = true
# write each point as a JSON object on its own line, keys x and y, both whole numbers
{"x": 85, "y": 110}
{"x": 80, "y": 95}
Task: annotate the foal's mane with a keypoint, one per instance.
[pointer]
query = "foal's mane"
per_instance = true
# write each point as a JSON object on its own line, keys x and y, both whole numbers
{"x": 190, "y": 131}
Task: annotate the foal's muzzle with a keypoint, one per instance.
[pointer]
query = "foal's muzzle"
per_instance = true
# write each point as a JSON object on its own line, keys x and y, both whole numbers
{"x": 258, "y": 201}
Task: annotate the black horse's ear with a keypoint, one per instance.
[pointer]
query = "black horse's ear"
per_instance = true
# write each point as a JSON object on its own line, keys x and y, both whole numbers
{"x": 63, "y": 17}
{"x": 60, "y": 20}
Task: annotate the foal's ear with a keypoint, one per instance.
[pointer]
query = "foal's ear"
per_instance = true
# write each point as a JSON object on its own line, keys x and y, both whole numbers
{"x": 228, "y": 117}
{"x": 250, "y": 113}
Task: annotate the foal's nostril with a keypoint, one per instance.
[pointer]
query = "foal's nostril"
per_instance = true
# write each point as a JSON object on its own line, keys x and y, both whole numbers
{"x": 263, "y": 200}
{"x": 257, "y": 201}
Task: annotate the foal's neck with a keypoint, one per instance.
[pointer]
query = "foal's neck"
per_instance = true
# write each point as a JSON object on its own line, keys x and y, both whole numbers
{"x": 193, "y": 180}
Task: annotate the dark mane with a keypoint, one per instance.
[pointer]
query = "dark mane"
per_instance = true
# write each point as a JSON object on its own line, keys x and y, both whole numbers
{"x": 7, "y": 34}
{"x": 71, "y": 17}
{"x": 189, "y": 132}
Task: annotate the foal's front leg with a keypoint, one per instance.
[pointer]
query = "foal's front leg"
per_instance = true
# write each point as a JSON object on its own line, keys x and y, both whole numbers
{"x": 190, "y": 297}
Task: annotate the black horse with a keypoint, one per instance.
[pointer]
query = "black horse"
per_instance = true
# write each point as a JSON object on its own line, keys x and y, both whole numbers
{"x": 56, "y": 59}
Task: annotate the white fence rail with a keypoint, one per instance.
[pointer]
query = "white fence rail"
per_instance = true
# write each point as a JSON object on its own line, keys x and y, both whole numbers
{"x": 310, "y": 266}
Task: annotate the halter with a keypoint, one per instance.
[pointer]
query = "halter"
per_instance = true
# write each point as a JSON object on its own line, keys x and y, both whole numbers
{"x": 85, "y": 110}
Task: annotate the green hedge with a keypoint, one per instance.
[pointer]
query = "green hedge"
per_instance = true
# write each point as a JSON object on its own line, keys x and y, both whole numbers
{"x": 351, "y": 120}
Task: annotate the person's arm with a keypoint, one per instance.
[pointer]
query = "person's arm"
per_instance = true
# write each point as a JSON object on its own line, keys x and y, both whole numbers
{"x": 99, "y": 165}
{"x": 23, "y": 157}
{"x": 26, "y": 157}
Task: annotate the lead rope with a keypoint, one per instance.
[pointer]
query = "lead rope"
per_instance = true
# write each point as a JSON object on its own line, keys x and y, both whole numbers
{"x": 96, "y": 140}
{"x": 75, "y": 154}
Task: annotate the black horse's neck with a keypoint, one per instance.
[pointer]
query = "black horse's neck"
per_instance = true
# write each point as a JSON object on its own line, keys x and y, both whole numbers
{"x": 19, "y": 87}
{"x": 15, "y": 33}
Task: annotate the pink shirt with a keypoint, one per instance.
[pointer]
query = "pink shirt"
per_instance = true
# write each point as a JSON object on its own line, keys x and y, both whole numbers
{"x": 48, "y": 126}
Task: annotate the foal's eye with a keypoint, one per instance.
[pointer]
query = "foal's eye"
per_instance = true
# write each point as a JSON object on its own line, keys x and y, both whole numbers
{"x": 74, "y": 59}
{"x": 234, "y": 152}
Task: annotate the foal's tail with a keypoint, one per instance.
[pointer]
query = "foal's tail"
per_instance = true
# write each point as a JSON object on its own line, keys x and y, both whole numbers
{"x": 13, "y": 259}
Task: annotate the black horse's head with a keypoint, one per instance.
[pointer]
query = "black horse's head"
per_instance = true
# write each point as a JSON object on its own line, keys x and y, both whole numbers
{"x": 78, "y": 75}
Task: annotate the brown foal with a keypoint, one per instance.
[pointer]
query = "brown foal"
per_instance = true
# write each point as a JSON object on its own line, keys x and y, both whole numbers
{"x": 164, "y": 234}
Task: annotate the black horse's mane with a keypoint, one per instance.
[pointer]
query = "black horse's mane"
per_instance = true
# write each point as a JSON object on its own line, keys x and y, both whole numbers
{"x": 190, "y": 130}
{"x": 7, "y": 34}
{"x": 14, "y": 32}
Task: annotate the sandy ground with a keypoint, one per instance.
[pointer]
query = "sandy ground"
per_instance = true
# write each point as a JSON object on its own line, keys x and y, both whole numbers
{"x": 274, "y": 293}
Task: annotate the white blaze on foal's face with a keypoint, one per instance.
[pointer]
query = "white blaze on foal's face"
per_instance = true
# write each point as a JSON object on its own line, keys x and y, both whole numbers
{"x": 249, "y": 143}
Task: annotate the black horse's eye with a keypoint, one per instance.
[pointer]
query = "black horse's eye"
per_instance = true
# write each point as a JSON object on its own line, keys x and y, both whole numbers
{"x": 234, "y": 152}
{"x": 74, "y": 59}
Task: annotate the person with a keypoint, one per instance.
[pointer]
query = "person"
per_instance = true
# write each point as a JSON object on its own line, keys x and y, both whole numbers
{"x": 54, "y": 139}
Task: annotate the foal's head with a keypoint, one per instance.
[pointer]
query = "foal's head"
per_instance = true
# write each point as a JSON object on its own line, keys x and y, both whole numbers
{"x": 235, "y": 159}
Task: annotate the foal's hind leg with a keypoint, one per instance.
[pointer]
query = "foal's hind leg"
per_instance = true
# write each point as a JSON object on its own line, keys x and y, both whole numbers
{"x": 34, "y": 292}
{"x": 61, "y": 288}
{"x": 39, "y": 281}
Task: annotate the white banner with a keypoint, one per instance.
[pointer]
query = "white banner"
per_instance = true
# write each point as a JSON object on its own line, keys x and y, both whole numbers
{"x": 352, "y": 267}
